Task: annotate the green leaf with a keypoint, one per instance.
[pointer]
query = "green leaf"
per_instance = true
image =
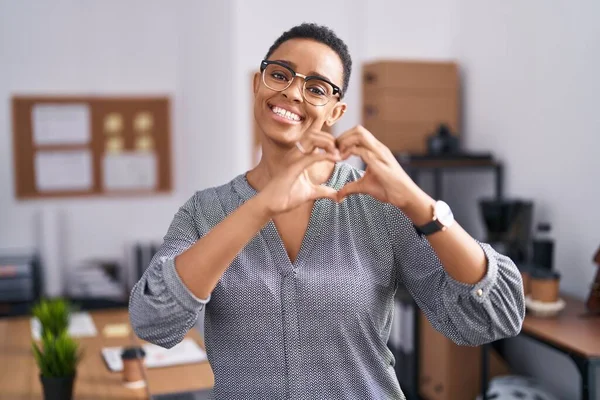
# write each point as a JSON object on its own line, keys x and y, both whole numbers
{"x": 58, "y": 356}
{"x": 53, "y": 315}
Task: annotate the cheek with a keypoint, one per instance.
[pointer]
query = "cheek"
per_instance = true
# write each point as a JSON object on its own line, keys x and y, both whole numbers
{"x": 316, "y": 116}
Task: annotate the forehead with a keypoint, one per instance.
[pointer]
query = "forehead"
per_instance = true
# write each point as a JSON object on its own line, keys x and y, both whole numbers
{"x": 310, "y": 56}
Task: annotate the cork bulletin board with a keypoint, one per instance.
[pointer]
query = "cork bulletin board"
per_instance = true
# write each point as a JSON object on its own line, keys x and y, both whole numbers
{"x": 91, "y": 146}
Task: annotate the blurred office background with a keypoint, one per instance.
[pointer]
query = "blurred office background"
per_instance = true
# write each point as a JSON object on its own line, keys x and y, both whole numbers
{"x": 529, "y": 86}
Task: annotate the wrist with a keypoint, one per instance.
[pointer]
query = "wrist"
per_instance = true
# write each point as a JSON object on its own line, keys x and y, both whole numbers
{"x": 260, "y": 207}
{"x": 419, "y": 209}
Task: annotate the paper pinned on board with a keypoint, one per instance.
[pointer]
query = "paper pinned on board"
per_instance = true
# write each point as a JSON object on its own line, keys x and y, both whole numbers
{"x": 130, "y": 171}
{"x": 63, "y": 170}
{"x": 61, "y": 124}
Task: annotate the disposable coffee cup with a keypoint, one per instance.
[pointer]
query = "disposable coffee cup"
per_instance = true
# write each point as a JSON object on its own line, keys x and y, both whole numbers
{"x": 133, "y": 366}
{"x": 544, "y": 285}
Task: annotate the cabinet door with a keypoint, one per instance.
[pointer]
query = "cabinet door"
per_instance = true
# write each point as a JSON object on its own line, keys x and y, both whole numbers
{"x": 434, "y": 360}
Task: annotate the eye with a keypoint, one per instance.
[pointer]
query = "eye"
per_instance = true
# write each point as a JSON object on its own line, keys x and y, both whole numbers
{"x": 280, "y": 76}
{"x": 317, "y": 88}
{"x": 317, "y": 91}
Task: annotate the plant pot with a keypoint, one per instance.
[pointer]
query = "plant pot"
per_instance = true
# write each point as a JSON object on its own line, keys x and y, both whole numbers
{"x": 58, "y": 388}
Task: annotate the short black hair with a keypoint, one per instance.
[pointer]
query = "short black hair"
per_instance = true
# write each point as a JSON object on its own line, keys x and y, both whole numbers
{"x": 322, "y": 34}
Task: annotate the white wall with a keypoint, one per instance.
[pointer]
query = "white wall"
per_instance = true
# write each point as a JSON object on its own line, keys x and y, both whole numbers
{"x": 133, "y": 47}
{"x": 531, "y": 84}
{"x": 408, "y": 29}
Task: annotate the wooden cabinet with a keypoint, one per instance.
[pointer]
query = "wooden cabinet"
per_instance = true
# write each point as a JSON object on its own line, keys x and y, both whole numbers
{"x": 448, "y": 371}
{"x": 405, "y": 101}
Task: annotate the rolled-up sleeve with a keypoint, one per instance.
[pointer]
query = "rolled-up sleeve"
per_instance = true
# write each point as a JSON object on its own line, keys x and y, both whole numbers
{"x": 468, "y": 314}
{"x": 161, "y": 308}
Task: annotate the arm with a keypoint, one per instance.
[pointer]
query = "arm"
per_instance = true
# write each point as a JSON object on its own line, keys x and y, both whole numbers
{"x": 166, "y": 301}
{"x": 468, "y": 291}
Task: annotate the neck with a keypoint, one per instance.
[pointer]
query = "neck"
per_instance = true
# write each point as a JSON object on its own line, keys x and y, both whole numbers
{"x": 273, "y": 160}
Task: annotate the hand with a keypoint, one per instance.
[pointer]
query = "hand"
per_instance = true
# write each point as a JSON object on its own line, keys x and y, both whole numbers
{"x": 384, "y": 179}
{"x": 292, "y": 186}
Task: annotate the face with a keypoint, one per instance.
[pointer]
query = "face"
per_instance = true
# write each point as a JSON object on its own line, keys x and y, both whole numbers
{"x": 305, "y": 57}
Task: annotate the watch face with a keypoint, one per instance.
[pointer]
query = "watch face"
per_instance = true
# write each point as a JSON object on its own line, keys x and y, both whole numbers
{"x": 443, "y": 213}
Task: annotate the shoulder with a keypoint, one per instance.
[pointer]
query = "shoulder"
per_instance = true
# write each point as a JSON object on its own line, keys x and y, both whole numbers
{"x": 212, "y": 193}
{"x": 214, "y": 203}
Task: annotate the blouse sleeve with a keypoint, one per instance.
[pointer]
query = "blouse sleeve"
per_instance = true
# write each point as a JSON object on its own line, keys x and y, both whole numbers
{"x": 468, "y": 314}
{"x": 161, "y": 308}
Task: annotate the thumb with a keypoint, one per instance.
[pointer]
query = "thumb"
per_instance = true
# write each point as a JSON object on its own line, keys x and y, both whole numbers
{"x": 322, "y": 191}
{"x": 349, "y": 188}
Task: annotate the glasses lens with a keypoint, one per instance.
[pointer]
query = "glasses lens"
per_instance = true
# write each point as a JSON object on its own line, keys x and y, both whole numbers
{"x": 317, "y": 92}
{"x": 277, "y": 77}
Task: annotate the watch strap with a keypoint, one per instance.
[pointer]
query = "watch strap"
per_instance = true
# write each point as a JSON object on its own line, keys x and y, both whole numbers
{"x": 429, "y": 228}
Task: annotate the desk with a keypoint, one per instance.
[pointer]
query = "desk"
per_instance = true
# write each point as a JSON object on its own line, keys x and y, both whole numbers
{"x": 572, "y": 333}
{"x": 19, "y": 379}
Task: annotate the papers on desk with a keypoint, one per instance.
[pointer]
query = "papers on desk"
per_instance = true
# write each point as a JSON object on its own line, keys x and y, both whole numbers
{"x": 81, "y": 324}
{"x": 186, "y": 352}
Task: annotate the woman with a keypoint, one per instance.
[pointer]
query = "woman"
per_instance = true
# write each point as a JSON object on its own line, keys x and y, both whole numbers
{"x": 297, "y": 260}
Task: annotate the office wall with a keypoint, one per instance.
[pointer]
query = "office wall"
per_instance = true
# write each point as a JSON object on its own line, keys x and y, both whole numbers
{"x": 133, "y": 47}
{"x": 531, "y": 85}
{"x": 408, "y": 29}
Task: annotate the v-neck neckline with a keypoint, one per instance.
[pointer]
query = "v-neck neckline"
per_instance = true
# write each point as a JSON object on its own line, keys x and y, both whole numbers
{"x": 271, "y": 234}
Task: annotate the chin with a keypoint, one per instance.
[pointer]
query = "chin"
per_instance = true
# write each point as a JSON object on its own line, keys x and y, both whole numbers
{"x": 281, "y": 129}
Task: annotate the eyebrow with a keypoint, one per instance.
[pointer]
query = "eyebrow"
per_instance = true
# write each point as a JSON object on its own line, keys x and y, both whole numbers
{"x": 310, "y": 73}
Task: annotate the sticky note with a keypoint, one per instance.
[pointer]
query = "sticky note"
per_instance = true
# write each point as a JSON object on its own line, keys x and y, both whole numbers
{"x": 116, "y": 330}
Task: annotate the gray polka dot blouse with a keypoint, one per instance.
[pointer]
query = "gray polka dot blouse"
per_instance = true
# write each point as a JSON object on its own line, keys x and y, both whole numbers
{"x": 317, "y": 328}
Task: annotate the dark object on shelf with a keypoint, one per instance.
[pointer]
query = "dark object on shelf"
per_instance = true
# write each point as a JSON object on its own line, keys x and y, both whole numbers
{"x": 20, "y": 283}
{"x": 543, "y": 247}
{"x": 593, "y": 302}
{"x": 443, "y": 141}
{"x": 508, "y": 225}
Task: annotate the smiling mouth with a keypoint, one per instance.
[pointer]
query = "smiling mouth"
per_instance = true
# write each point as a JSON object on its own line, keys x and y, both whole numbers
{"x": 286, "y": 114}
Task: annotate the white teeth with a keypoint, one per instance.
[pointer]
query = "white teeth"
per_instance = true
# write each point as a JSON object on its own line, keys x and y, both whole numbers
{"x": 286, "y": 114}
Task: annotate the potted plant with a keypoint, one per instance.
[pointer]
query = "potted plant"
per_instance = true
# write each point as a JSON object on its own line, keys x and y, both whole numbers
{"x": 57, "y": 359}
{"x": 53, "y": 315}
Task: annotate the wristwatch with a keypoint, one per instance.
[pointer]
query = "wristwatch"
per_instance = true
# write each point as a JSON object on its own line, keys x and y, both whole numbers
{"x": 442, "y": 219}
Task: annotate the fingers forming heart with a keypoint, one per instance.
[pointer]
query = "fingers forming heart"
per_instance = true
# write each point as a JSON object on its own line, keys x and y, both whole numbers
{"x": 383, "y": 169}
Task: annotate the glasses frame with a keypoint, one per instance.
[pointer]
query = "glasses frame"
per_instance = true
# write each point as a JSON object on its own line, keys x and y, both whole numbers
{"x": 336, "y": 89}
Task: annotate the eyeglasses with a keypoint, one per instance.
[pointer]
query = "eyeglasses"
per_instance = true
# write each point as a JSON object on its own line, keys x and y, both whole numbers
{"x": 316, "y": 90}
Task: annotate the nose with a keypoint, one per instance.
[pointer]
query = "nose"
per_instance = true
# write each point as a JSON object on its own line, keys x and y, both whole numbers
{"x": 294, "y": 91}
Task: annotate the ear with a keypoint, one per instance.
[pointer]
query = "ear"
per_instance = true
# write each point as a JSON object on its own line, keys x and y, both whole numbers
{"x": 336, "y": 113}
{"x": 256, "y": 82}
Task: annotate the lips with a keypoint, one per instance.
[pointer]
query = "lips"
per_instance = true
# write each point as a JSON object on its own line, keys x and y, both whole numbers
{"x": 286, "y": 112}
